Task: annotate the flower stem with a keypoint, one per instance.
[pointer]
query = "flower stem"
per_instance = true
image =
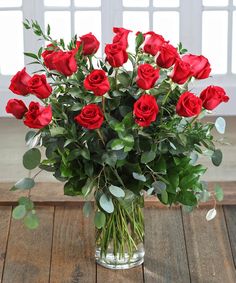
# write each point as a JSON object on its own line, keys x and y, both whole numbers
{"x": 166, "y": 97}
{"x": 116, "y": 74}
{"x": 100, "y": 135}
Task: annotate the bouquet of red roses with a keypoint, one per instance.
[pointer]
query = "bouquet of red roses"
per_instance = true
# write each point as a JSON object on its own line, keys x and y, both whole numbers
{"x": 112, "y": 133}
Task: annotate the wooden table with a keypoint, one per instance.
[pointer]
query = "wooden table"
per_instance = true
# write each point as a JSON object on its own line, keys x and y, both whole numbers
{"x": 179, "y": 247}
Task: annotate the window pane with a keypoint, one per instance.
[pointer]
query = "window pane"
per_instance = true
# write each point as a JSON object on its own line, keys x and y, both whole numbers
{"x": 167, "y": 24}
{"x": 131, "y": 21}
{"x": 88, "y": 3}
{"x": 215, "y": 2}
{"x": 214, "y": 39}
{"x": 166, "y": 3}
{"x": 234, "y": 44}
{"x": 60, "y": 24}
{"x": 57, "y": 3}
{"x": 234, "y": 2}
{"x": 10, "y": 3}
{"x": 11, "y": 47}
{"x": 88, "y": 21}
{"x": 135, "y": 3}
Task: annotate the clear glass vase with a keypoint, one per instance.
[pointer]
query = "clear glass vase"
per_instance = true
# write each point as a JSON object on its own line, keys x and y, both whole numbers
{"x": 120, "y": 243}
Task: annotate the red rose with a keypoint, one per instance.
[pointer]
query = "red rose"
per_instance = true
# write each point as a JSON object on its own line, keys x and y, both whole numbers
{"x": 152, "y": 43}
{"x": 17, "y": 108}
{"x": 97, "y": 82}
{"x": 65, "y": 63}
{"x": 200, "y": 66}
{"x": 38, "y": 116}
{"x": 145, "y": 110}
{"x": 90, "y": 44}
{"x": 38, "y": 85}
{"x": 121, "y": 36}
{"x": 147, "y": 76}
{"x": 212, "y": 96}
{"x": 181, "y": 72}
{"x": 48, "y": 56}
{"x": 116, "y": 54}
{"x": 188, "y": 105}
{"x": 167, "y": 56}
{"x": 90, "y": 117}
{"x": 19, "y": 83}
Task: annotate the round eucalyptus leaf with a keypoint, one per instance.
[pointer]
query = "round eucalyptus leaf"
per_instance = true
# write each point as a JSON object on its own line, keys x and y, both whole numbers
{"x": 106, "y": 203}
{"x": 99, "y": 219}
{"x": 19, "y": 212}
{"x": 139, "y": 177}
{"x": 217, "y": 157}
{"x": 23, "y": 184}
{"x": 220, "y": 125}
{"x": 219, "y": 193}
{"x": 87, "y": 208}
{"x": 116, "y": 191}
{"x": 31, "y": 221}
{"x": 31, "y": 159}
{"x": 211, "y": 214}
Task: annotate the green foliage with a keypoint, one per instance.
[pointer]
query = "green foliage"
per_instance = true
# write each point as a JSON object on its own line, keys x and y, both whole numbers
{"x": 31, "y": 158}
{"x": 23, "y": 184}
{"x": 99, "y": 219}
{"x": 219, "y": 193}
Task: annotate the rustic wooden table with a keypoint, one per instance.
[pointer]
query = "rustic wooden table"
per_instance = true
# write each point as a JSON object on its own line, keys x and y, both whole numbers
{"x": 180, "y": 248}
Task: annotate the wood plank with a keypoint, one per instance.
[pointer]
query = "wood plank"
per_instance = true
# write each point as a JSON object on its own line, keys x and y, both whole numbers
{"x": 29, "y": 252}
{"x": 230, "y": 217}
{"x": 166, "y": 258}
{"x": 52, "y": 194}
{"x": 73, "y": 253}
{"x": 209, "y": 253}
{"x": 133, "y": 275}
{"x": 5, "y": 220}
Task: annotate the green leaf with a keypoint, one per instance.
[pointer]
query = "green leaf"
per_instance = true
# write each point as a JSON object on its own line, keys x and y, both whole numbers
{"x": 164, "y": 196}
{"x": 217, "y": 157}
{"x": 31, "y": 221}
{"x": 106, "y": 203}
{"x": 139, "y": 40}
{"x": 57, "y": 131}
{"x": 29, "y": 135}
{"x": 219, "y": 193}
{"x": 19, "y": 212}
{"x": 194, "y": 158}
{"x": 124, "y": 79}
{"x": 220, "y": 125}
{"x": 148, "y": 156}
{"x": 187, "y": 198}
{"x": 32, "y": 158}
{"x": 161, "y": 165}
{"x": 31, "y": 55}
{"x": 87, "y": 208}
{"x": 159, "y": 186}
{"x": 86, "y": 189}
{"x": 29, "y": 205}
{"x": 139, "y": 177}
{"x": 85, "y": 153}
{"x": 99, "y": 219}
{"x": 117, "y": 144}
{"x": 23, "y": 184}
{"x": 116, "y": 191}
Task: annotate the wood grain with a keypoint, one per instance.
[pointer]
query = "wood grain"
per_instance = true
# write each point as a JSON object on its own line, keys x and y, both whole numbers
{"x": 230, "y": 217}
{"x": 52, "y": 194}
{"x": 209, "y": 253}
{"x": 73, "y": 247}
{"x": 29, "y": 252}
{"x": 5, "y": 220}
{"x": 134, "y": 275}
{"x": 166, "y": 259}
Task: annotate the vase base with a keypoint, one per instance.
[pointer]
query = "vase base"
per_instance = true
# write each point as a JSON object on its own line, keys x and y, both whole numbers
{"x": 115, "y": 262}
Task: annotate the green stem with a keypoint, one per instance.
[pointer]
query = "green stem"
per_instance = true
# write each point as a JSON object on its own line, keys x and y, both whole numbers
{"x": 116, "y": 74}
{"x": 166, "y": 97}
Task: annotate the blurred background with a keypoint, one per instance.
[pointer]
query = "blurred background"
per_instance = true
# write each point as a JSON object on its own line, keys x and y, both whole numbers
{"x": 205, "y": 27}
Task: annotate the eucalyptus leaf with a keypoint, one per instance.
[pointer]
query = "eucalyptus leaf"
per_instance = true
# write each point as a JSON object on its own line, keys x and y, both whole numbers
{"x": 139, "y": 177}
{"x": 87, "y": 208}
{"x": 148, "y": 156}
{"x": 217, "y": 157}
{"x": 32, "y": 158}
{"x": 220, "y": 125}
{"x": 19, "y": 212}
{"x": 211, "y": 214}
{"x": 31, "y": 220}
{"x": 23, "y": 184}
{"x": 106, "y": 203}
{"x": 219, "y": 193}
{"x": 99, "y": 219}
{"x": 116, "y": 191}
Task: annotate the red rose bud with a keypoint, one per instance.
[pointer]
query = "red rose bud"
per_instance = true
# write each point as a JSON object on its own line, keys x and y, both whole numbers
{"x": 97, "y": 82}
{"x": 188, "y": 105}
{"x": 121, "y": 36}
{"x": 19, "y": 83}
{"x": 116, "y": 54}
{"x": 200, "y": 66}
{"x": 90, "y": 117}
{"x": 145, "y": 110}
{"x": 90, "y": 44}
{"x": 212, "y": 96}
{"x": 181, "y": 72}
{"x": 167, "y": 56}
{"x": 38, "y": 116}
{"x": 48, "y": 56}
{"x": 65, "y": 63}
{"x": 38, "y": 85}
{"x": 152, "y": 43}
{"x": 147, "y": 76}
{"x": 17, "y": 108}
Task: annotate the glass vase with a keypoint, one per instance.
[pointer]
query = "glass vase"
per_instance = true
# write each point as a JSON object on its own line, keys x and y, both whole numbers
{"x": 120, "y": 243}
